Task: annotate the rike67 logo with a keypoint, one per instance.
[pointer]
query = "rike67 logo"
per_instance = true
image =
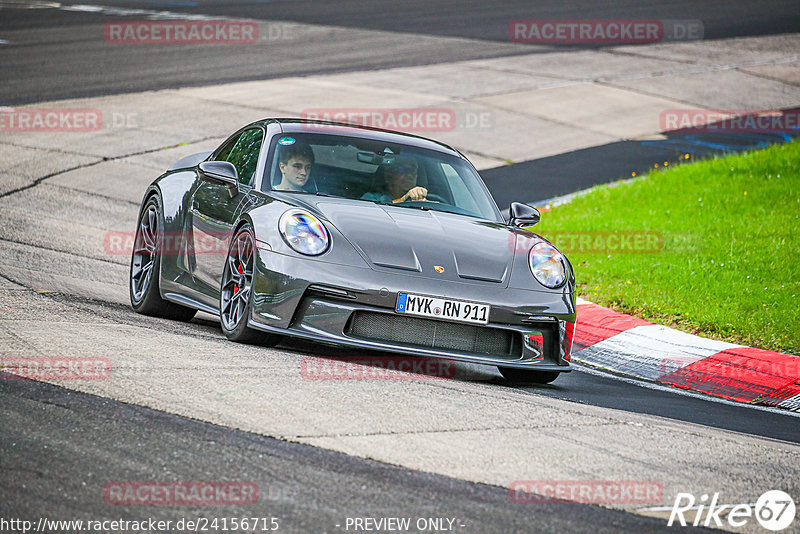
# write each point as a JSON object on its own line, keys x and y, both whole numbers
{"x": 774, "y": 510}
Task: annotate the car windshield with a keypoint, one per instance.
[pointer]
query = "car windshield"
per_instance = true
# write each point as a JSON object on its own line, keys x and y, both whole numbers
{"x": 376, "y": 171}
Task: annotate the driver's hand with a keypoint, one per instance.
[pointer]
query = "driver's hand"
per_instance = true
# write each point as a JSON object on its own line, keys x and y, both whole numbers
{"x": 416, "y": 193}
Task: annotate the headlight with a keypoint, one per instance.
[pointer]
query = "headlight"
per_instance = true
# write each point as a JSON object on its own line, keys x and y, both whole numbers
{"x": 548, "y": 265}
{"x": 303, "y": 232}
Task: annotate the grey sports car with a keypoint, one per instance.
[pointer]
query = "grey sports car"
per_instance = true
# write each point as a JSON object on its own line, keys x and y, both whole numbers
{"x": 358, "y": 237}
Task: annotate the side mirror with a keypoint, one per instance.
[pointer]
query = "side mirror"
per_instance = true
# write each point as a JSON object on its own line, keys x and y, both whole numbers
{"x": 221, "y": 173}
{"x": 523, "y": 215}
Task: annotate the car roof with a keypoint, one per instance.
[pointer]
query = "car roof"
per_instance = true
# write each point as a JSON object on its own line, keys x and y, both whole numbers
{"x": 294, "y": 125}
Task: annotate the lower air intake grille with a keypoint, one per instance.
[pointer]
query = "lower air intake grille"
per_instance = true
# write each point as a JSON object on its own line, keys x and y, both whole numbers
{"x": 434, "y": 334}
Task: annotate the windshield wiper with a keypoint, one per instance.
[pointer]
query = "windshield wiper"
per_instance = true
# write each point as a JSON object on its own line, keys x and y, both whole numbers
{"x": 316, "y": 193}
{"x": 401, "y": 205}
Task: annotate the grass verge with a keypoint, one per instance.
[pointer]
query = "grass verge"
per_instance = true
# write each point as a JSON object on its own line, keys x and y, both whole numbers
{"x": 710, "y": 248}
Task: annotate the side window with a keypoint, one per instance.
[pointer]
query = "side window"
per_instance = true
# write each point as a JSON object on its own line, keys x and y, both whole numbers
{"x": 244, "y": 154}
{"x": 225, "y": 150}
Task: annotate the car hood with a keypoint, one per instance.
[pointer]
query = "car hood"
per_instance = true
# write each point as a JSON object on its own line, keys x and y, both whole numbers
{"x": 429, "y": 243}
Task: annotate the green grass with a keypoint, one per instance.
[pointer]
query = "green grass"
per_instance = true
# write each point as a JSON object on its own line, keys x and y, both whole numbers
{"x": 729, "y": 267}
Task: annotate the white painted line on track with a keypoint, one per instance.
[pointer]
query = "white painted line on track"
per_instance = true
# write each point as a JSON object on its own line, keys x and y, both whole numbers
{"x": 149, "y": 14}
{"x": 21, "y": 4}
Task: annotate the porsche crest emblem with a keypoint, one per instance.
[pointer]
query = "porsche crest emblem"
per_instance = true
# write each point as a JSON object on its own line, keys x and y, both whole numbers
{"x": 438, "y": 268}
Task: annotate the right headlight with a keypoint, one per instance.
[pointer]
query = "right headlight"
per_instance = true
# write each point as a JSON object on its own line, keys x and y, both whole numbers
{"x": 304, "y": 232}
{"x": 548, "y": 265}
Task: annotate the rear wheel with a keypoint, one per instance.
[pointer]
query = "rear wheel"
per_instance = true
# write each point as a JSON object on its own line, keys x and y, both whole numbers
{"x": 525, "y": 376}
{"x": 146, "y": 264}
{"x": 236, "y": 291}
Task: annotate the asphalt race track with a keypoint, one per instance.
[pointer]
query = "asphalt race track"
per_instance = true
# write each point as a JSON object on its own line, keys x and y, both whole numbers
{"x": 309, "y": 489}
{"x": 58, "y": 55}
{"x": 184, "y": 404}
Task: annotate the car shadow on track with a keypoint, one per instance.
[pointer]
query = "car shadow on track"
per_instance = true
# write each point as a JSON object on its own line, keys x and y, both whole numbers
{"x": 325, "y": 362}
{"x": 329, "y": 362}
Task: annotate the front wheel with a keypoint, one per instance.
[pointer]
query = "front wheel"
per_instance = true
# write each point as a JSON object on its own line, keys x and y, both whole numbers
{"x": 526, "y": 376}
{"x": 146, "y": 264}
{"x": 237, "y": 289}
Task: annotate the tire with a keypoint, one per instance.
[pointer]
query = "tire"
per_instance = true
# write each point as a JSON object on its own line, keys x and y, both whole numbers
{"x": 143, "y": 280}
{"x": 525, "y": 376}
{"x": 235, "y": 293}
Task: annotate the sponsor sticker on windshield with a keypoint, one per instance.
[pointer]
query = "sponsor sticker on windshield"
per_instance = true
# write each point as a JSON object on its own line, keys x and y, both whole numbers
{"x": 286, "y": 140}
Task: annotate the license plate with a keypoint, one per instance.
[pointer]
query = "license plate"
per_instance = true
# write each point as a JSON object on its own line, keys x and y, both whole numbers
{"x": 441, "y": 308}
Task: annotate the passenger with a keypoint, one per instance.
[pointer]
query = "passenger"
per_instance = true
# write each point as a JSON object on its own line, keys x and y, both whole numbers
{"x": 295, "y": 163}
{"x": 400, "y": 182}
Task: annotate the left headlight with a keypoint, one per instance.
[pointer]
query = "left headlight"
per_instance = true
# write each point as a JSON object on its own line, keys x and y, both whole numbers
{"x": 304, "y": 232}
{"x": 548, "y": 265}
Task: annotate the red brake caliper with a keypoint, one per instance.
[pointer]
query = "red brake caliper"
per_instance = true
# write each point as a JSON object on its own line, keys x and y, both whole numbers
{"x": 241, "y": 271}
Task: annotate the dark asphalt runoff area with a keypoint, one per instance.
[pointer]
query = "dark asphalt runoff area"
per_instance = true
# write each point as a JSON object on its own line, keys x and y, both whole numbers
{"x": 59, "y": 449}
{"x": 566, "y": 173}
{"x": 599, "y": 389}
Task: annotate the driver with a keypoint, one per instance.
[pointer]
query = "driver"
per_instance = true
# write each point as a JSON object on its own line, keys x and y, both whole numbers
{"x": 400, "y": 175}
{"x": 295, "y": 163}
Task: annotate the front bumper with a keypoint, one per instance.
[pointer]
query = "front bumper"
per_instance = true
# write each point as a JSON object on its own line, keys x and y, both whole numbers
{"x": 332, "y": 303}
